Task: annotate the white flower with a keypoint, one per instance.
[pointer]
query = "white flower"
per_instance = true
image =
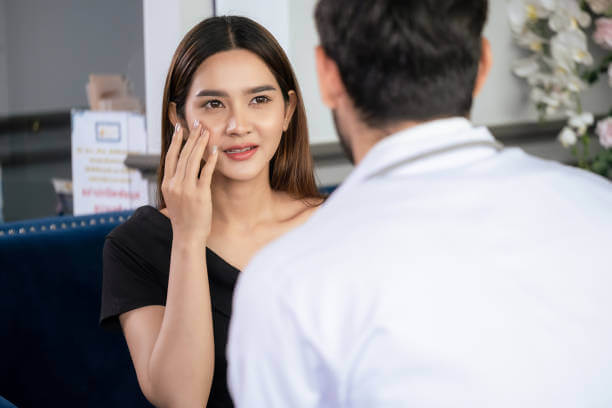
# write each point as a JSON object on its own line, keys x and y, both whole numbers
{"x": 600, "y": 6}
{"x": 529, "y": 39}
{"x": 566, "y": 99}
{"x": 538, "y": 95}
{"x": 567, "y": 137}
{"x": 560, "y": 22}
{"x": 604, "y": 131}
{"x": 543, "y": 79}
{"x": 522, "y": 11}
{"x": 581, "y": 122}
{"x": 559, "y": 53}
{"x": 568, "y": 15}
{"x": 526, "y": 67}
{"x": 570, "y": 47}
{"x": 550, "y": 110}
{"x": 573, "y": 82}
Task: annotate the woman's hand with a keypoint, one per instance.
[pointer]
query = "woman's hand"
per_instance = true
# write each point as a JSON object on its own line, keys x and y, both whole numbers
{"x": 172, "y": 346}
{"x": 185, "y": 188}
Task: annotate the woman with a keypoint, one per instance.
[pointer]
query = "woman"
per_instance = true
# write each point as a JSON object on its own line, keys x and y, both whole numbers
{"x": 235, "y": 173}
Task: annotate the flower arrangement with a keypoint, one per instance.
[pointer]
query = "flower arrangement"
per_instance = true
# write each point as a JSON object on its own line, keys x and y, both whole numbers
{"x": 560, "y": 67}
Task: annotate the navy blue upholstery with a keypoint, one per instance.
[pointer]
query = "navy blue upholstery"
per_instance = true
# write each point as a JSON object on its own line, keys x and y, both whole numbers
{"x": 327, "y": 189}
{"x": 52, "y": 351}
{"x": 5, "y": 404}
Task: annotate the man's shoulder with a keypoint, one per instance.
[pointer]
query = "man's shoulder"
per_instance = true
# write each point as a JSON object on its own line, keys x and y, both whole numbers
{"x": 546, "y": 172}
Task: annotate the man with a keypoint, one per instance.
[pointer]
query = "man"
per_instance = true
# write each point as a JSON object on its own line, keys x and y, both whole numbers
{"x": 445, "y": 271}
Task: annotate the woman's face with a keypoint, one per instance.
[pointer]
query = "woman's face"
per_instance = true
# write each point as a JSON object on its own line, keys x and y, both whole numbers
{"x": 236, "y": 97}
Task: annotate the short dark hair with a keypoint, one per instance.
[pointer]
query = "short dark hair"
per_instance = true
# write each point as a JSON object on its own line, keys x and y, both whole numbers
{"x": 404, "y": 59}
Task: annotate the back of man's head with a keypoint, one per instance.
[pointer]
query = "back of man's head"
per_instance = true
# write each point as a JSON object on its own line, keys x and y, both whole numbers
{"x": 404, "y": 60}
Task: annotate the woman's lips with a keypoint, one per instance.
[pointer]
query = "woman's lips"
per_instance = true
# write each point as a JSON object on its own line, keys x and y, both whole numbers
{"x": 240, "y": 153}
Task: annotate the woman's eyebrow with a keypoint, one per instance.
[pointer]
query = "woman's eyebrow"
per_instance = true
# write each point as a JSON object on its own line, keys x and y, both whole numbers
{"x": 218, "y": 93}
{"x": 259, "y": 89}
{"x": 212, "y": 92}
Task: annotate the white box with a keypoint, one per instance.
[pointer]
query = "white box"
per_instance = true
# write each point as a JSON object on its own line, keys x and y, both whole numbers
{"x": 100, "y": 144}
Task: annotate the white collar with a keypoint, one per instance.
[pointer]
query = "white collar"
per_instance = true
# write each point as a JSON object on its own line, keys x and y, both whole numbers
{"x": 415, "y": 141}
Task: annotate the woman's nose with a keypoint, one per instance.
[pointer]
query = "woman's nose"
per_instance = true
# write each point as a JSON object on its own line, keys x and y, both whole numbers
{"x": 238, "y": 123}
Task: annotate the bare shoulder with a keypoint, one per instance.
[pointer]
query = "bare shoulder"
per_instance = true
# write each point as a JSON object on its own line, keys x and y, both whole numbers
{"x": 311, "y": 205}
{"x": 298, "y": 211}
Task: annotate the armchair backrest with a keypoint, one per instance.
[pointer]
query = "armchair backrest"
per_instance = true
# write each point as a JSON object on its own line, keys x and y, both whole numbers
{"x": 52, "y": 351}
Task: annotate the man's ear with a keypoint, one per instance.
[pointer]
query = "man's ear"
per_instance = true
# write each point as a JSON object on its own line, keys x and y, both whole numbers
{"x": 330, "y": 81}
{"x": 484, "y": 66}
{"x": 290, "y": 109}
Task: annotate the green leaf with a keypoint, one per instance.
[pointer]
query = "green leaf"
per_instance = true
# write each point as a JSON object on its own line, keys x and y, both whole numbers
{"x": 600, "y": 167}
{"x": 590, "y": 76}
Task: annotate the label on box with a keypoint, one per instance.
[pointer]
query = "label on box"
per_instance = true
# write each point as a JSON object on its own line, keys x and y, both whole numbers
{"x": 100, "y": 143}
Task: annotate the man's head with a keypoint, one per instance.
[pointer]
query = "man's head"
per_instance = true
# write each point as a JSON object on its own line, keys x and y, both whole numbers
{"x": 400, "y": 61}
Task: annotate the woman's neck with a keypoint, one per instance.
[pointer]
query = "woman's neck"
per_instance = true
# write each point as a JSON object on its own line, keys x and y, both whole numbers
{"x": 242, "y": 204}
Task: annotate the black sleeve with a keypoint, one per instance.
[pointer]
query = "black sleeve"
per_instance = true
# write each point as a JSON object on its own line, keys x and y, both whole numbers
{"x": 127, "y": 284}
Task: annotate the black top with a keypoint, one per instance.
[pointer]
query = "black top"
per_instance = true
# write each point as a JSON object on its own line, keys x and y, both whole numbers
{"x": 136, "y": 265}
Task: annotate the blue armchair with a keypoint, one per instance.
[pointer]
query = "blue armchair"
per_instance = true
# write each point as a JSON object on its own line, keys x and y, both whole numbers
{"x": 52, "y": 351}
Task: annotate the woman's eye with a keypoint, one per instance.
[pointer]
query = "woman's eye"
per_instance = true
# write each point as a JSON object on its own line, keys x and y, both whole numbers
{"x": 260, "y": 99}
{"x": 213, "y": 104}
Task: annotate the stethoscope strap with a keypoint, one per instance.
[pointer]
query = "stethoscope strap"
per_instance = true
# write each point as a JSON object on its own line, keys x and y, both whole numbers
{"x": 442, "y": 150}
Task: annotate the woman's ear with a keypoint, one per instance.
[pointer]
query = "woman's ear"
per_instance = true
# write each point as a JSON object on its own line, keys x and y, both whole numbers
{"x": 290, "y": 109}
{"x": 172, "y": 114}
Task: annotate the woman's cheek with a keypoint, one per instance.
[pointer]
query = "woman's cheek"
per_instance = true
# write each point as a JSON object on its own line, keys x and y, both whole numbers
{"x": 270, "y": 123}
{"x": 215, "y": 124}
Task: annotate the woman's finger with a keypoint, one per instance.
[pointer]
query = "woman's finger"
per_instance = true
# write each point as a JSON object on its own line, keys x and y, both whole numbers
{"x": 182, "y": 161}
{"x": 196, "y": 156}
{"x": 209, "y": 168}
{"x": 173, "y": 151}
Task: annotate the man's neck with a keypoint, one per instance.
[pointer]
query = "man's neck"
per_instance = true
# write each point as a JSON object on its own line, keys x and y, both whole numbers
{"x": 363, "y": 137}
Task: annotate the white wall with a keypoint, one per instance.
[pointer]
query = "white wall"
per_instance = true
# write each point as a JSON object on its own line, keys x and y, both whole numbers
{"x": 272, "y": 14}
{"x": 304, "y": 39}
{"x": 165, "y": 24}
{"x": 52, "y": 47}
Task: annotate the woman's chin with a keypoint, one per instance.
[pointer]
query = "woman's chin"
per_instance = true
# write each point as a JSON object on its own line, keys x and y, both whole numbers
{"x": 242, "y": 173}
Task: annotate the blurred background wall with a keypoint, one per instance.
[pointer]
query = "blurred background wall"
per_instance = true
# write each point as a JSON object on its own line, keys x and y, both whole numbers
{"x": 48, "y": 49}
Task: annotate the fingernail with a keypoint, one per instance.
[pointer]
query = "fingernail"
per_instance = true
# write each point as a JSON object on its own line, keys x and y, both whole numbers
{"x": 214, "y": 149}
{"x": 177, "y": 127}
{"x": 196, "y": 123}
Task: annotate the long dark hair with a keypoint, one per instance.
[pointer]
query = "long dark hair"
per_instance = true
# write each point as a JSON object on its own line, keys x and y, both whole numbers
{"x": 291, "y": 168}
